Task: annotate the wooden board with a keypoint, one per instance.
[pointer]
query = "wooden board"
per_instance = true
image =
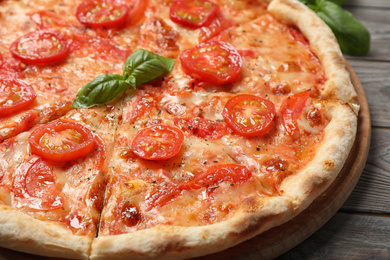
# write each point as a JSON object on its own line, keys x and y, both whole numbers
{"x": 280, "y": 239}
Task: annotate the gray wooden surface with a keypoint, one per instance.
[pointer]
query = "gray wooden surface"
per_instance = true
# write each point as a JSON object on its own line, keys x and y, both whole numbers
{"x": 361, "y": 228}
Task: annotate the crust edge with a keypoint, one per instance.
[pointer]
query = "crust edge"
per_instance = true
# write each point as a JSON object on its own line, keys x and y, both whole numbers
{"x": 24, "y": 233}
{"x": 323, "y": 43}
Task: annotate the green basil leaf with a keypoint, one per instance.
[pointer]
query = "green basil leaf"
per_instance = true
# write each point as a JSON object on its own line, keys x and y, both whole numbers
{"x": 100, "y": 90}
{"x": 352, "y": 36}
{"x": 143, "y": 66}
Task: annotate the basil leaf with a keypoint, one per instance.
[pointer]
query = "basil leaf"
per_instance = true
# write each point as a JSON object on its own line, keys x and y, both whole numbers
{"x": 100, "y": 90}
{"x": 143, "y": 66}
{"x": 352, "y": 36}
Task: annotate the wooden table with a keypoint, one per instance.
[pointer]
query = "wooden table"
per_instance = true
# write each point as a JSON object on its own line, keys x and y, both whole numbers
{"x": 361, "y": 228}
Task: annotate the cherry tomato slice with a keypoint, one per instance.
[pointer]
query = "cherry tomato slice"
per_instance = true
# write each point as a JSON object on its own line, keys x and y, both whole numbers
{"x": 61, "y": 141}
{"x": 15, "y": 95}
{"x": 35, "y": 185}
{"x": 40, "y": 47}
{"x": 230, "y": 173}
{"x": 157, "y": 142}
{"x": 136, "y": 10}
{"x": 193, "y": 13}
{"x": 216, "y": 62}
{"x": 291, "y": 110}
{"x": 249, "y": 115}
{"x": 102, "y": 13}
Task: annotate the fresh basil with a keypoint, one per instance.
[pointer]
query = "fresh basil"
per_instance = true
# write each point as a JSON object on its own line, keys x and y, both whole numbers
{"x": 101, "y": 89}
{"x": 141, "y": 63}
{"x": 140, "y": 67}
{"x": 351, "y": 35}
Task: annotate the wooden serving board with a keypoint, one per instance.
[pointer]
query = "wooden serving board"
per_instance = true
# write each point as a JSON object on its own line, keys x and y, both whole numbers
{"x": 278, "y": 240}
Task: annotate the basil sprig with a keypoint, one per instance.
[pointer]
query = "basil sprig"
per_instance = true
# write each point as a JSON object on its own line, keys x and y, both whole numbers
{"x": 351, "y": 35}
{"x": 140, "y": 67}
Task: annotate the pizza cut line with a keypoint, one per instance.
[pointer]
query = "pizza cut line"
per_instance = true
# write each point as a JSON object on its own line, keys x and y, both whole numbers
{"x": 164, "y": 129}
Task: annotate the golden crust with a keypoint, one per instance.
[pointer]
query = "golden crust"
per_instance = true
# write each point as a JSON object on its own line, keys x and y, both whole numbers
{"x": 27, "y": 234}
{"x": 174, "y": 242}
{"x": 323, "y": 43}
{"x": 320, "y": 172}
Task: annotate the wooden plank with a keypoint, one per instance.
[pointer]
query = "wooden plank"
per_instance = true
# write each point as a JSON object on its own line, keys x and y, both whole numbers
{"x": 372, "y": 193}
{"x": 374, "y": 77}
{"x": 368, "y": 3}
{"x": 346, "y": 236}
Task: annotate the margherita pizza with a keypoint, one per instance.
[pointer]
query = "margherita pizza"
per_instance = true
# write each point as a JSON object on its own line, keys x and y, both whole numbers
{"x": 164, "y": 129}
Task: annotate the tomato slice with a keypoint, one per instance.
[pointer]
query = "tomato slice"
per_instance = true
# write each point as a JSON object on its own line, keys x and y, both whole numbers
{"x": 216, "y": 62}
{"x": 291, "y": 110}
{"x": 167, "y": 191}
{"x": 136, "y": 10}
{"x": 61, "y": 141}
{"x": 230, "y": 173}
{"x": 40, "y": 47}
{"x": 102, "y": 13}
{"x": 35, "y": 185}
{"x": 158, "y": 142}
{"x": 249, "y": 115}
{"x": 15, "y": 95}
{"x": 193, "y": 13}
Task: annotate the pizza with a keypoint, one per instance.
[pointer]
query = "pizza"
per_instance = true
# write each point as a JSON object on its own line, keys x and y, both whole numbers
{"x": 164, "y": 129}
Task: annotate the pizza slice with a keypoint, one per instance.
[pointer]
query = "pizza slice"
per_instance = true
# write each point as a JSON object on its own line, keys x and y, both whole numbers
{"x": 52, "y": 183}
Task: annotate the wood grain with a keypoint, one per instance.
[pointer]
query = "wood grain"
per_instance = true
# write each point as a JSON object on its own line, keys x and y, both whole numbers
{"x": 374, "y": 77}
{"x": 372, "y": 193}
{"x": 346, "y": 236}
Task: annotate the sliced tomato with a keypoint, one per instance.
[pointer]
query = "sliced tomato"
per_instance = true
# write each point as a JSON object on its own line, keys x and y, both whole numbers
{"x": 164, "y": 193}
{"x": 230, "y": 173}
{"x": 100, "y": 147}
{"x": 11, "y": 67}
{"x": 15, "y": 95}
{"x": 193, "y": 13}
{"x": 84, "y": 45}
{"x": 136, "y": 10}
{"x": 48, "y": 18}
{"x": 35, "y": 185}
{"x": 291, "y": 110}
{"x": 249, "y": 115}
{"x": 216, "y": 29}
{"x": 216, "y": 62}
{"x": 40, "y": 47}
{"x": 14, "y": 125}
{"x": 158, "y": 142}
{"x": 298, "y": 36}
{"x": 102, "y": 13}
{"x": 61, "y": 141}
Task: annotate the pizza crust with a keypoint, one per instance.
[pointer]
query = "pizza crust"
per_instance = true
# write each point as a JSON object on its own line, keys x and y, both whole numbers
{"x": 26, "y": 234}
{"x": 323, "y": 43}
{"x": 319, "y": 173}
{"x": 175, "y": 242}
